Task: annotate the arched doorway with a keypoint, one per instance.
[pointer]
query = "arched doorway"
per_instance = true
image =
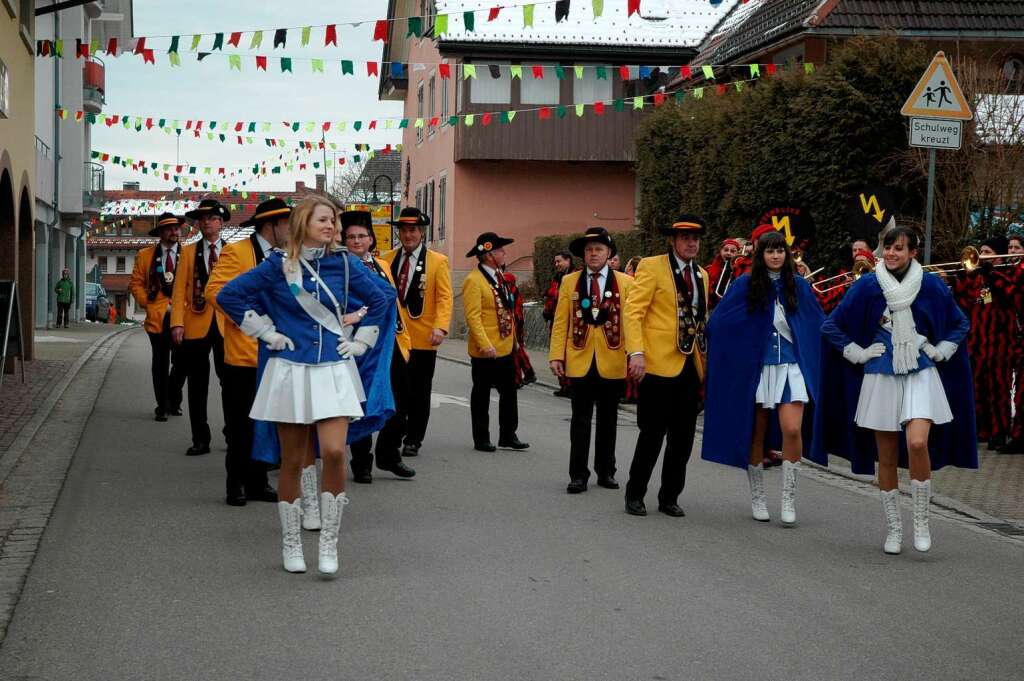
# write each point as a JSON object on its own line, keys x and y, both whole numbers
{"x": 26, "y": 269}
{"x": 8, "y": 227}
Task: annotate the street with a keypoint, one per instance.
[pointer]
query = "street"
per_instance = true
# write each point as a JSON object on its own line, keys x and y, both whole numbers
{"x": 482, "y": 567}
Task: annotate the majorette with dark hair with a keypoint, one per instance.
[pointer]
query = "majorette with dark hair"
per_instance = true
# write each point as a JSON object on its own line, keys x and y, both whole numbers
{"x": 194, "y": 324}
{"x": 588, "y": 346}
{"x": 488, "y": 308}
{"x": 764, "y": 343}
{"x": 358, "y": 237}
{"x": 424, "y": 285}
{"x": 665, "y": 316}
{"x": 246, "y": 476}
{"x": 151, "y": 284}
{"x": 894, "y": 364}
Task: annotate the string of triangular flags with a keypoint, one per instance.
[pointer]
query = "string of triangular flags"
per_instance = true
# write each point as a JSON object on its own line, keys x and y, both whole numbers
{"x": 416, "y": 26}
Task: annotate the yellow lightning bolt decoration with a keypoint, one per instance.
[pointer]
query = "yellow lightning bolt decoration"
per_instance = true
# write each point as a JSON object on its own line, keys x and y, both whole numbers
{"x": 870, "y": 203}
{"x": 782, "y": 225}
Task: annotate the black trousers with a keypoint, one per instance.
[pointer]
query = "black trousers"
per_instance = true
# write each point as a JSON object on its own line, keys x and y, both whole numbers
{"x": 168, "y": 368}
{"x": 197, "y": 359}
{"x": 64, "y": 314}
{"x": 499, "y": 373}
{"x": 421, "y": 381}
{"x": 389, "y": 439}
{"x": 238, "y": 386}
{"x": 587, "y": 393}
{"x": 667, "y": 409}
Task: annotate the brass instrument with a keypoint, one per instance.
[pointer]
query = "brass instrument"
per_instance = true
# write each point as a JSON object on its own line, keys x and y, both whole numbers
{"x": 970, "y": 260}
{"x": 860, "y": 268}
{"x": 724, "y": 278}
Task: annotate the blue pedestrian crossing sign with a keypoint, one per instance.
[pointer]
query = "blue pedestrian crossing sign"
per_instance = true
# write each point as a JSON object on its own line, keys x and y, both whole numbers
{"x": 938, "y": 94}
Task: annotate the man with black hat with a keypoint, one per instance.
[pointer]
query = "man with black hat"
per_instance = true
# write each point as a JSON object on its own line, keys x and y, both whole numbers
{"x": 194, "y": 324}
{"x": 246, "y": 477}
{"x": 151, "y": 284}
{"x": 358, "y": 237}
{"x": 424, "y": 285}
{"x": 587, "y": 345}
{"x": 666, "y": 312}
{"x": 488, "y": 309}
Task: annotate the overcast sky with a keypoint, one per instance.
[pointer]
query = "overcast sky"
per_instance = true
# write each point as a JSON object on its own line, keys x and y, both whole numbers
{"x": 209, "y": 90}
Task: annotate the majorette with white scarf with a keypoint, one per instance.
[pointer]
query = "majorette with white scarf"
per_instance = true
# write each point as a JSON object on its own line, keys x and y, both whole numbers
{"x": 895, "y": 365}
{"x": 302, "y": 304}
{"x": 764, "y": 340}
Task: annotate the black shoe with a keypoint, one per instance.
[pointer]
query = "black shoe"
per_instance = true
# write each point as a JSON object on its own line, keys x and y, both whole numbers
{"x": 400, "y": 470}
{"x": 363, "y": 477}
{"x": 671, "y": 510}
{"x": 260, "y": 492}
{"x": 411, "y": 450}
{"x": 996, "y": 442}
{"x": 198, "y": 449}
{"x": 607, "y": 481}
{"x": 235, "y": 496}
{"x": 576, "y": 486}
{"x": 484, "y": 447}
{"x": 1013, "y": 447}
{"x": 175, "y": 411}
{"x": 635, "y": 507}
{"x": 160, "y": 416}
{"x": 513, "y": 443}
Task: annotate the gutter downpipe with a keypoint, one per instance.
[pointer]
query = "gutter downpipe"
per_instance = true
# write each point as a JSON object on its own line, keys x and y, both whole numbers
{"x": 56, "y": 160}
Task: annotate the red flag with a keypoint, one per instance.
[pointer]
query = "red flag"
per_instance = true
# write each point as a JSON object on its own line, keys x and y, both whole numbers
{"x": 44, "y": 48}
{"x": 106, "y": 157}
{"x": 331, "y": 36}
{"x": 302, "y": 166}
{"x": 624, "y": 72}
{"x": 319, "y": 145}
{"x": 238, "y": 126}
{"x": 445, "y": 70}
{"x": 434, "y": 122}
{"x": 195, "y": 133}
{"x": 239, "y": 138}
{"x": 149, "y": 124}
{"x": 177, "y": 169}
{"x": 387, "y": 147}
{"x": 486, "y": 119}
{"x": 114, "y": 119}
{"x": 140, "y": 46}
{"x": 235, "y": 38}
{"x": 83, "y": 50}
{"x": 492, "y": 14}
{"x": 659, "y": 98}
{"x": 770, "y": 69}
{"x": 199, "y": 126}
{"x": 538, "y": 72}
{"x": 220, "y": 171}
{"x": 720, "y": 88}
{"x": 188, "y": 124}
{"x": 261, "y": 63}
{"x": 79, "y": 115}
{"x": 599, "y": 108}
{"x": 544, "y": 113}
{"x": 373, "y": 125}
{"x": 326, "y": 126}
{"x": 632, "y": 7}
{"x": 148, "y": 57}
{"x": 685, "y": 72}
{"x": 166, "y": 176}
{"x": 371, "y": 68}
{"x": 112, "y": 47}
{"x": 380, "y": 30}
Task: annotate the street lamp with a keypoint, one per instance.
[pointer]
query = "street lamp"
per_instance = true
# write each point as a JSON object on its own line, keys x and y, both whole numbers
{"x": 391, "y": 202}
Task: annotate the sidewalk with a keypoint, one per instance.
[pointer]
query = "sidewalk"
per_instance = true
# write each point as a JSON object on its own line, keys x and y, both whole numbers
{"x": 995, "y": 489}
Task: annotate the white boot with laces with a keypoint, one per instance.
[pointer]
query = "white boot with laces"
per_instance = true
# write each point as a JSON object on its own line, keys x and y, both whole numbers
{"x": 758, "y": 499}
{"x": 789, "y": 469}
{"x": 922, "y": 494}
{"x": 332, "y": 506}
{"x": 291, "y": 535}
{"x": 310, "y": 498}
{"x": 893, "y": 522}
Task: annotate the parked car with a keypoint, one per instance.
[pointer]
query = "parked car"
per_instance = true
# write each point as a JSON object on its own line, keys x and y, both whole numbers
{"x": 97, "y": 305}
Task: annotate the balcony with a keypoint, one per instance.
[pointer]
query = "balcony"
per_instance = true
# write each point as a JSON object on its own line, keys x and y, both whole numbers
{"x": 93, "y": 186}
{"x": 44, "y": 172}
{"x": 93, "y": 86}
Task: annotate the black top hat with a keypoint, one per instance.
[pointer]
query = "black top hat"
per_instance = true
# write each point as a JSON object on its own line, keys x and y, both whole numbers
{"x": 363, "y": 218}
{"x": 270, "y": 209}
{"x": 487, "y": 242}
{"x": 208, "y": 206}
{"x": 412, "y": 216}
{"x": 593, "y": 234}
{"x": 687, "y": 223}
{"x": 164, "y": 220}
{"x": 1000, "y": 244}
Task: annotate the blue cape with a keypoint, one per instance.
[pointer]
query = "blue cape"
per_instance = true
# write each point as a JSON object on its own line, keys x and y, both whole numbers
{"x": 936, "y": 316}
{"x": 736, "y": 340}
{"x": 374, "y": 371}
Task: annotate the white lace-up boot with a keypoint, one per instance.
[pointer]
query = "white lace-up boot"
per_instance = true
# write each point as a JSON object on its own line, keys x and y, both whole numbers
{"x": 332, "y": 506}
{"x": 310, "y": 499}
{"x": 758, "y": 499}
{"x": 893, "y": 522}
{"x": 789, "y": 469}
{"x": 922, "y": 495}
{"x": 291, "y": 535}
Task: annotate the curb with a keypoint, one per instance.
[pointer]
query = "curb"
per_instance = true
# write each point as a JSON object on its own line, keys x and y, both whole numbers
{"x": 24, "y": 437}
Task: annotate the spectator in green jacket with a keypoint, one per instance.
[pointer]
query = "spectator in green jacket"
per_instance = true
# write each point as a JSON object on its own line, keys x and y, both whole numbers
{"x": 65, "y": 291}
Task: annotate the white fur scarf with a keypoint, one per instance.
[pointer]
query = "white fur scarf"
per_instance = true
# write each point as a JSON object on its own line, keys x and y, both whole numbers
{"x": 900, "y": 295}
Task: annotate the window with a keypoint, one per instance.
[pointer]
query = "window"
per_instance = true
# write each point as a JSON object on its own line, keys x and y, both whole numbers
{"x": 442, "y": 187}
{"x": 486, "y": 89}
{"x": 102, "y": 261}
{"x": 419, "y": 110}
{"x": 539, "y": 90}
{"x": 427, "y": 11}
{"x": 428, "y": 200}
{"x": 589, "y": 89}
{"x": 120, "y": 265}
{"x": 431, "y": 91}
{"x": 5, "y": 91}
{"x": 419, "y": 197}
{"x": 444, "y": 102}
{"x": 27, "y": 19}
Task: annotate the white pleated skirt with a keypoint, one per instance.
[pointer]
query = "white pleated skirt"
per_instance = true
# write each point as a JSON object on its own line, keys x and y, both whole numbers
{"x": 887, "y": 402}
{"x": 290, "y": 392}
{"x": 780, "y": 384}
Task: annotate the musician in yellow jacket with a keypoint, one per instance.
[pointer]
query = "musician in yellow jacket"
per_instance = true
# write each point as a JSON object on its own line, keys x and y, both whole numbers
{"x": 246, "y": 477}
{"x": 424, "y": 283}
{"x": 666, "y": 312}
{"x": 588, "y": 346}
{"x": 151, "y": 284}
{"x": 488, "y": 307}
{"x": 194, "y": 323}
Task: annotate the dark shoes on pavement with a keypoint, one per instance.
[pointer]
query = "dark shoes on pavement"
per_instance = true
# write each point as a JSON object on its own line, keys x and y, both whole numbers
{"x": 235, "y": 496}
{"x": 260, "y": 492}
{"x": 635, "y": 507}
{"x": 607, "y": 481}
{"x": 400, "y": 470}
{"x": 160, "y": 416}
{"x": 576, "y": 486}
{"x": 175, "y": 411}
{"x": 513, "y": 443}
{"x": 1013, "y": 447}
{"x": 411, "y": 449}
{"x": 484, "y": 447}
{"x": 362, "y": 476}
{"x": 672, "y": 510}
{"x": 198, "y": 449}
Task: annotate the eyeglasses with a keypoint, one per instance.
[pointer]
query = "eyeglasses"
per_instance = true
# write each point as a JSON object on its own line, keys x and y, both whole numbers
{"x": 353, "y": 237}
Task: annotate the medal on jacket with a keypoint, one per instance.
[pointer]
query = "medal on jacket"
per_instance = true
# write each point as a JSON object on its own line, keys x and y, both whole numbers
{"x": 985, "y": 296}
{"x": 169, "y": 277}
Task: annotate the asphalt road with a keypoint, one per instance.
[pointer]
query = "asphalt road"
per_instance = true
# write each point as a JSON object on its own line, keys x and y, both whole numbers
{"x": 483, "y": 568}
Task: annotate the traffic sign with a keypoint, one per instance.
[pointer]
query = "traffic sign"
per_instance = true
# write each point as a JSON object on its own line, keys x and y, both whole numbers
{"x": 938, "y": 94}
{"x": 935, "y": 133}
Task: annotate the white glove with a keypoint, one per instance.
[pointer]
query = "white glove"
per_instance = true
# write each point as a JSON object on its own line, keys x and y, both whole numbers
{"x": 276, "y": 341}
{"x": 858, "y": 355}
{"x": 352, "y": 348}
{"x": 941, "y": 352}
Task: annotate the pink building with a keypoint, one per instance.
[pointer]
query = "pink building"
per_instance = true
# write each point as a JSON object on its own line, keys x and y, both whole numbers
{"x": 531, "y": 176}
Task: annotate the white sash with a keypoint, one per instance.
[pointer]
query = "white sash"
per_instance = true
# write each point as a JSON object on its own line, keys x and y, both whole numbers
{"x": 313, "y": 307}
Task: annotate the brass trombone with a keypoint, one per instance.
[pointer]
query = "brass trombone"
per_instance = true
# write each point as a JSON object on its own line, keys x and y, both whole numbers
{"x": 725, "y": 278}
{"x": 970, "y": 260}
{"x": 860, "y": 268}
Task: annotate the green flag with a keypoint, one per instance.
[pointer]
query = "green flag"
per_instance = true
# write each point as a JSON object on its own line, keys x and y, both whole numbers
{"x": 347, "y": 67}
{"x": 174, "y": 44}
{"x": 528, "y": 16}
{"x": 286, "y": 64}
{"x": 709, "y": 72}
{"x": 235, "y": 61}
{"x": 516, "y": 71}
{"x": 318, "y": 65}
{"x": 218, "y": 41}
{"x": 415, "y": 27}
{"x": 305, "y": 35}
{"x": 440, "y": 25}
{"x": 601, "y": 73}
{"x": 598, "y": 8}
{"x": 755, "y": 70}
{"x": 468, "y": 71}
{"x": 195, "y": 41}
{"x": 453, "y": 121}
{"x": 560, "y": 72}
{"x": 468, "y": 20}
{"x": 579, "y": 72}
{"x": 257, "y": 40}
